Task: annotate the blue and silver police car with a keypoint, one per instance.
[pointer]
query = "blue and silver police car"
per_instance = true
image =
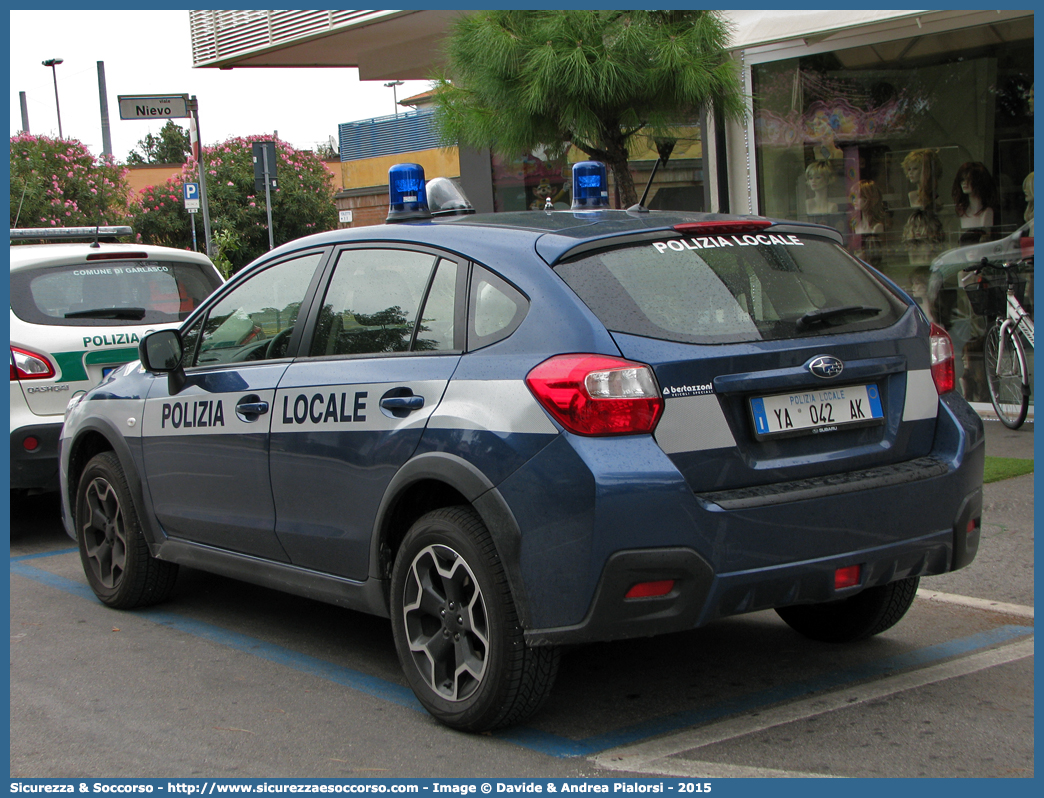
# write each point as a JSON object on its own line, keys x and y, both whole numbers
{"x": 510, "y": 432}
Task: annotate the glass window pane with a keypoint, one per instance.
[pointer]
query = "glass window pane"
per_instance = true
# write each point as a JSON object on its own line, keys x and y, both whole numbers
{"x": 372, "y": 302}
{"x": 497, "y": 309}
{"x": 747, "y": 291}
{"x": 149, "y": 292}
{"x": 435, "y": 332}
{"x": 917, "y": 150}
{"x": 255, "y": 320}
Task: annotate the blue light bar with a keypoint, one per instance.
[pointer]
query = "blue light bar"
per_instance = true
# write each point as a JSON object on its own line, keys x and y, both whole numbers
{"x": 407, "y": 197}
{"x": 590, "y": 186}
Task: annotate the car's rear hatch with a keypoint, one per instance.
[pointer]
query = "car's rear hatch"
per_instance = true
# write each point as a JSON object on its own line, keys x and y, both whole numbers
{"x": 783, "y": 361}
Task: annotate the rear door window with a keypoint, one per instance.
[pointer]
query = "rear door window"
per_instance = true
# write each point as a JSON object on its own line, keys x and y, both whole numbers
{"x": 85, "y": 295}
{"x": 373, "y": 304}
{"x": 731, "y": 289}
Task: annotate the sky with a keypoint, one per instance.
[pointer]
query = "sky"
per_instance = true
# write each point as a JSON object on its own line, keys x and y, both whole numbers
{"x": 150, "y": 52}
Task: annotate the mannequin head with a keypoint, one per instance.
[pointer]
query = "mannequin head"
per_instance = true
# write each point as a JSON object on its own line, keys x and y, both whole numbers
{"x": 922, "y": 235}
{"x": 973, "y": 185}
{"x": 819, "y": 175}
{"x": 867, "y": 202}
{"x": 922, "y": 168}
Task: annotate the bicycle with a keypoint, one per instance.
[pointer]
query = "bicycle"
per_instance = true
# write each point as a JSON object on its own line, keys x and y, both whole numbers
{"x": 1004, "y": 355}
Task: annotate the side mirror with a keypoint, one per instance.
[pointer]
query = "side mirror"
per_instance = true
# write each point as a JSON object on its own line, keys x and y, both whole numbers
{"x": 161, "y": 352}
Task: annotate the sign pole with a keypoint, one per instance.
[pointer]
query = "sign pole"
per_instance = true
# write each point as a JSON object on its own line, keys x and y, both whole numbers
{"x": 268, "y": 198}
{"x": 201, "y": 167}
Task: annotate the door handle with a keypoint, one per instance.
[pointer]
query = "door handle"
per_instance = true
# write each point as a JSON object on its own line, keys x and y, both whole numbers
{"x": 402, "y": 402}
{"x": 250, "y": 408}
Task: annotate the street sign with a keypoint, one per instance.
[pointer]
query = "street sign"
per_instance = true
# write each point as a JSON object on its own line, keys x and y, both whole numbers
{"x": 191, "y": 195}
{"x": 258, "y": 149}
{"x": 153, "y": 106}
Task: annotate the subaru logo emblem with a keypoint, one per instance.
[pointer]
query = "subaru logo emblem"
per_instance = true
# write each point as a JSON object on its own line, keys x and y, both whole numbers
{"x": 826, "y": 367}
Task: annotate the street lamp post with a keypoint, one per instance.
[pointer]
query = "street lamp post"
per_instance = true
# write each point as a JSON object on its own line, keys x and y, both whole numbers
{"x": 393, "y": 85}
{"x": 52, "y": 63}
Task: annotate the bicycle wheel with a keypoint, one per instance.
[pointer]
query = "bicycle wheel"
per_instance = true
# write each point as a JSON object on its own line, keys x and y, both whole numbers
{"x": 1007, "y": 375}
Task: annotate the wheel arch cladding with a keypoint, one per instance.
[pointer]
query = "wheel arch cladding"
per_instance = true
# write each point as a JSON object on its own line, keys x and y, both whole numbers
{"x": 97, "y": 436}
{"x": 435, "y": 480}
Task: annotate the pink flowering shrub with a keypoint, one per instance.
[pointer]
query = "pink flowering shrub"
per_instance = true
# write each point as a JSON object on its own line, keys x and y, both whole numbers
{"x": 299, "y": 206}
{"x": 59, "y": 183}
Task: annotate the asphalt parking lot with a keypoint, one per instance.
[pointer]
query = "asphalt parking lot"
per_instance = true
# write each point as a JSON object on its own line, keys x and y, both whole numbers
{"x": 230, "y": 680}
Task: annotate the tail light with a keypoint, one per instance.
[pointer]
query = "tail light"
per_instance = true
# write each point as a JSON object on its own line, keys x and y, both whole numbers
{"x": 598, "y": 395}
{"x": 942, "y": 360}
{"x": 29, "y": 366}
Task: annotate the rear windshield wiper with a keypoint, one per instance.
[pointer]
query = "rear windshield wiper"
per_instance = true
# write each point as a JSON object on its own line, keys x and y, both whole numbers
{"x": 136, "y": 314}
{"x": 845, "y": 313}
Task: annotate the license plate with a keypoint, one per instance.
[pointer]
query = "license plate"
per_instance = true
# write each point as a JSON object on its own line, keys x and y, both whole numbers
{"x": 819, "y": 410}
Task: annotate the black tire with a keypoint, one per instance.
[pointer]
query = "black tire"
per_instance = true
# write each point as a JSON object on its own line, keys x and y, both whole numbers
{"x": 456, "y": 629}
{"x": 115, "y": 557}
{"x": 1006, "y": 376}
{"x": 863, "y": 615}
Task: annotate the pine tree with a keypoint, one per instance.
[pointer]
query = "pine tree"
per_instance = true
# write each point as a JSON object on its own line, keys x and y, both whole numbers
{"x": 518, "y": 80}
{"x": 172, "y": 145}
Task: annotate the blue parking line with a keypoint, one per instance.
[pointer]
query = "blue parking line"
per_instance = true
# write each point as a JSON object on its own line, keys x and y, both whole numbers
{"x": 43, "y": 554}
{"x": 534, "y": 739}
{"x": 557, "y": 746}
{"x": 370, "y": 685}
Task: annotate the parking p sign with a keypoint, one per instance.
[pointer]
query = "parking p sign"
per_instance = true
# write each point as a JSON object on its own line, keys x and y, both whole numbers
{"x": 191, "y": 194}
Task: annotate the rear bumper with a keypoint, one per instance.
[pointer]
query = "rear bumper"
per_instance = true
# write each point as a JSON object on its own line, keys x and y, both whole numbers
{"x": 737, "y": 553}
{"x": 36, "y": 468}
{"x": 699, "y": 596}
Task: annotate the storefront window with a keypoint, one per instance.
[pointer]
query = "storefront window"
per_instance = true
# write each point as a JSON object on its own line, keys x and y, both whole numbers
{"x": 913, "y": 150}
{"x": 526, "y": 183}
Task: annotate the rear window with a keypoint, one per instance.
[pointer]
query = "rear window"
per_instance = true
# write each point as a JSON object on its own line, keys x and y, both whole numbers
{"x": 731, "y": 288}
{"x": 87, "y": 295}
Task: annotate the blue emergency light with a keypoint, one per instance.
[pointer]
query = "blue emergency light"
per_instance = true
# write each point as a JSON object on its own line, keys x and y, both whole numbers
{"x": 407, "y": 197}
{"x": 590, "y": 186}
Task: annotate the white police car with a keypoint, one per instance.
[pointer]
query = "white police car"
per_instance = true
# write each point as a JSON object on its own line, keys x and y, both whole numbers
{"x": 514, "y": 431}
{"x": 78, "y": 310}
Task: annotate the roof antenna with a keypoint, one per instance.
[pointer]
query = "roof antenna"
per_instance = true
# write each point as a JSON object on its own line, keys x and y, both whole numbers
{"x": 97, "y": 235}
{"x": 664, "y": 148}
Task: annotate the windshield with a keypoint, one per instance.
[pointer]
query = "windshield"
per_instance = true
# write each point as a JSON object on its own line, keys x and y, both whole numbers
{"x": 146, "y": 291}
{"x": 731, "y": 289}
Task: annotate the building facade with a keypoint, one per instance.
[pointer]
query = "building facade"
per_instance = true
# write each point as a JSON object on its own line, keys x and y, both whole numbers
{"x": 910, "y": 132}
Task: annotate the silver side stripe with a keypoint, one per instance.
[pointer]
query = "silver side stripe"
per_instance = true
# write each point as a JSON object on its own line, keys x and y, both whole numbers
{"x": 922, "y": 399}
{"x": 125, "y": 415}
{"x": 326, "y": 408}
{"x": 504, "y": 406}
{"x": 202, "y": 414}
{"x": 692, "y": 424}
{"x": 351, "y": 408}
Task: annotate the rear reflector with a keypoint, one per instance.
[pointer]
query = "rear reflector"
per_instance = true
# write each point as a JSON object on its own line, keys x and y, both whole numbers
{"x": 650, "y": 589}
{"x": 30, "y": 444}
{"x": 847, "y": 577}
